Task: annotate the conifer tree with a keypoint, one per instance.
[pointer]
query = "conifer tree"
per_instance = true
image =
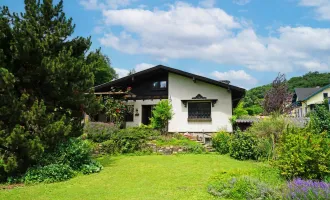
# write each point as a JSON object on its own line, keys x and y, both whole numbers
{"x": 45, "y": 83}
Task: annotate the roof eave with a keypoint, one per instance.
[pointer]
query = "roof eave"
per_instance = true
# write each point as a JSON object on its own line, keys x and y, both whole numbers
{"x": 176, "y": 71}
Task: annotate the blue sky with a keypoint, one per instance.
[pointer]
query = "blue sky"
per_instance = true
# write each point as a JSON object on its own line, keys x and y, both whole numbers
{"x": 245, "y": 41}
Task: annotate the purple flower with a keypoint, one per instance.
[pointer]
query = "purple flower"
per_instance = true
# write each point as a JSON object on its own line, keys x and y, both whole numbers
{"x": 307, "y": 189}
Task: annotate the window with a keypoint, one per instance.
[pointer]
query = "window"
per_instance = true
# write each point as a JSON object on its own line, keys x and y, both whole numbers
{"x": 312, "y": 107}
{"x": 325, "y": 95}
{"x": 199, "y": 110}
{"x": 159, "y": 85}
{"x": 129, "y": 113}
{"x": 163, "y": 84}
{"x": 155, "y": 85}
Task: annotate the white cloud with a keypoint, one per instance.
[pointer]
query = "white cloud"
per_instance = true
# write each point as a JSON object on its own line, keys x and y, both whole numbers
{"x": 241, "y": 2}
{"x": 121, "y": 72}
{"x": 92, "y": 4}
{"x": 322, "y": 8}
{"x": 139, "y": 67}
{"x": 104, "y": 4}
{"x": 207, "y": 3}
{"x": 185, "y": 31}
{"x": 143, "y": 66}
{"x": 239, "y": 77}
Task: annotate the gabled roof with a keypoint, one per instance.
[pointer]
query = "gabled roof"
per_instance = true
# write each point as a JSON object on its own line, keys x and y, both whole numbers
{"x": 304, "y": 94}
{"x": 316, "y": 92}
{"x": 175, "y": 71}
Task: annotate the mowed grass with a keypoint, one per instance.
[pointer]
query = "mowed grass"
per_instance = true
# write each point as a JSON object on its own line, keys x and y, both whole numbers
{"x": 137, "y": 177}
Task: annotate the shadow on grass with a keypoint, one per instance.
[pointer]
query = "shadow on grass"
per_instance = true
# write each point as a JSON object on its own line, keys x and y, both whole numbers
{"x": 107, "y": 160}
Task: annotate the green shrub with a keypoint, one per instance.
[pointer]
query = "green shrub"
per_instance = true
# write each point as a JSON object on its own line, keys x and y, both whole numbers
{"x": 244, "y": 188}
{"x": 111, "y": 147}
{"x": 320, "y": 120}
{"x": 240, "y": 111}
{"x": 255, "y": 110}
{"x": 180, "y": 141}
{"x": 129, "y": 140}
{"x": 179, "y": 136}
{"x": 49, "y": 174}
{"x": 91, "y": 167}
{"x": 134, "y": 139}
{"x": 303, "y": 154}
{"x": 75, "y": 153}
{"x": 100, "y": 132}
{"x": 244, "y": 146}
{"x": 269, "y": 129}
{"x": 161, "y": 114}
{"x": 195, "y": 148}
{"x": 221, "y": 142}
{"x": 265, "y": 149}
{"x": 260, "y": 183}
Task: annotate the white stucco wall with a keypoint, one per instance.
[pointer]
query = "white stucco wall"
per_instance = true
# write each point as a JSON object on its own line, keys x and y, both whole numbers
{"x": 180, "y": 87}
{"x": 138, "y": 105}
{"x": 318, "y": 98}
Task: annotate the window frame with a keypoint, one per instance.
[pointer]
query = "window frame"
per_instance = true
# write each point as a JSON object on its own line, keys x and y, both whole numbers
{"x": 129, "y": 117}
{"x": 208, "y": 116}
{"x": 325, "y": 95}
{"x": 159, "y": 85}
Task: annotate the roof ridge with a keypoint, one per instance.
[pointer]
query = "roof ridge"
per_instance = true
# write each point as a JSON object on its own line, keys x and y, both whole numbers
{"x": 173, "y": 70}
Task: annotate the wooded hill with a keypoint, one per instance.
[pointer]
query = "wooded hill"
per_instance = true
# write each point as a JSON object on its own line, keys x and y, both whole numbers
{"x": 254, "y": 97}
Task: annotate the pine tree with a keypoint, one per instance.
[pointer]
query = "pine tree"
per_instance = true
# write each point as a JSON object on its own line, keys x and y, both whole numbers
{"x": 45, "y": 83}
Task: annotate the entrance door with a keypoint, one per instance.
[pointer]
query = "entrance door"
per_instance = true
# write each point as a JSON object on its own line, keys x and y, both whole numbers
{"x": 146, "y": 114}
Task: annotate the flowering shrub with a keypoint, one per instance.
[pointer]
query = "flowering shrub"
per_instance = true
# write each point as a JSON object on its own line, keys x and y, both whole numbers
{"x": 309, "y": 190}
{"x": 257, "y": 183}
{"x": 116, "y": 110}
{"x": 244, "y": 187}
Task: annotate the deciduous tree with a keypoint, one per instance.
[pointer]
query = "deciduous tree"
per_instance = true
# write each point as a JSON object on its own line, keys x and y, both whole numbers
{"x": 101, "y": 67}
{"x": 277, "y": 98}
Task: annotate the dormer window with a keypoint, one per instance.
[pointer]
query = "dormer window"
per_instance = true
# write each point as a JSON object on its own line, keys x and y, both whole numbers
{"x": 159, "y": 85}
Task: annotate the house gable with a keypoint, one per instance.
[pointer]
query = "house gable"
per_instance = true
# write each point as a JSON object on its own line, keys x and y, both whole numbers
{"x": 318, "y": 92}
{"x": 219, "y": 101}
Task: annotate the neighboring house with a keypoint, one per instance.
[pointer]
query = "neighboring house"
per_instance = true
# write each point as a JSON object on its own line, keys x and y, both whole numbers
{"x": 199, "y": 104}
{"x": 305, "y": 99}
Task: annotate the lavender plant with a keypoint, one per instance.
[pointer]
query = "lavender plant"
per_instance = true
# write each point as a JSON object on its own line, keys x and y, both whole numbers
{"x": 307, "y": 189}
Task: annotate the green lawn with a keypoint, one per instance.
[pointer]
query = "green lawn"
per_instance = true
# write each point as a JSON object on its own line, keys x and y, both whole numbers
{"x": 137, "y": 177}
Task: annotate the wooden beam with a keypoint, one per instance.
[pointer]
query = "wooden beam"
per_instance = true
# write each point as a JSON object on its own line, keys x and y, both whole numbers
{"x": 109, "y": 93}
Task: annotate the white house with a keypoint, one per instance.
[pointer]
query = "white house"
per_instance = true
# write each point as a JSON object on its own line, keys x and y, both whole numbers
{"x": 199, "y": 104}
{"x": 305, "y": 99}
